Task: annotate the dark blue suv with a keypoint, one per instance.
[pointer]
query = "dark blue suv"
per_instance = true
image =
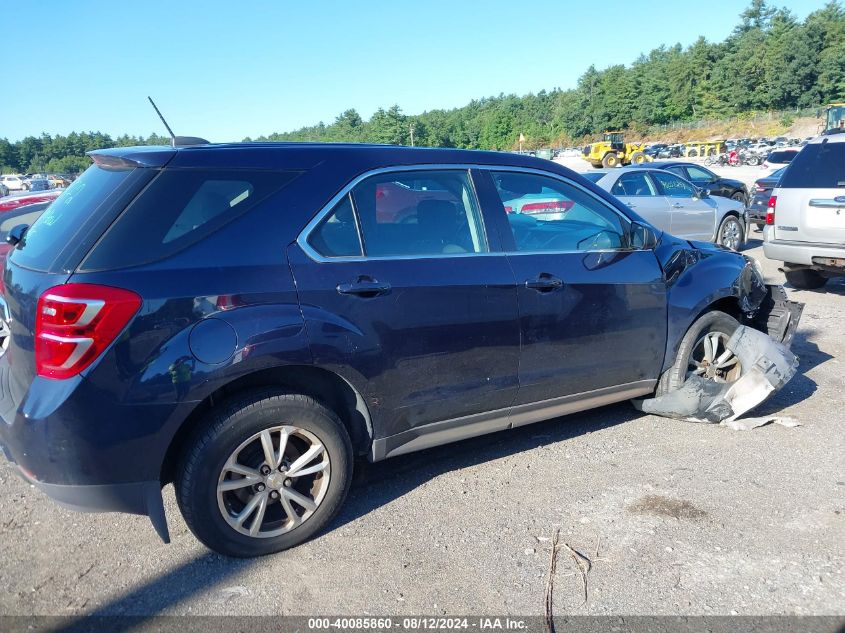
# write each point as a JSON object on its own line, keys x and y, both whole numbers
{"x": 245, "y": 320}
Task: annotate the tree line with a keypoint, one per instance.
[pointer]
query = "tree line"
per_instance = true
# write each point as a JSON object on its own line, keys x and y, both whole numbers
{"x": 770, "y": 61}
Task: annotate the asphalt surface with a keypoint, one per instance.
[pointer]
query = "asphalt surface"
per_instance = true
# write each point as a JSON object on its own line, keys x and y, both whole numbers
{"x": 688, "y": 519}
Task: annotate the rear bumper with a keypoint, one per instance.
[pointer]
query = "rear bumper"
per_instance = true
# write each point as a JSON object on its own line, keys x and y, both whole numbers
{"x": 143, "y": 497}
{"x": 800, "y": 252}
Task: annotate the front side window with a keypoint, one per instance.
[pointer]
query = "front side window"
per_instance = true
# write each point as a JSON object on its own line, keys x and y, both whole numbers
{"x": 418, "y": 213}
{"x": 636, "y": 183}
{"x": 674, "y": 187}
{"x": 549, "y": 215}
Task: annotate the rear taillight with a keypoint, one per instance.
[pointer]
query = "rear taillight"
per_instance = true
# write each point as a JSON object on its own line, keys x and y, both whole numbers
{"x": 545, "y": 207}
{"x": 770, "y": 211}
{"x": 760, "y": 188}
{"x": 75, "y": 323}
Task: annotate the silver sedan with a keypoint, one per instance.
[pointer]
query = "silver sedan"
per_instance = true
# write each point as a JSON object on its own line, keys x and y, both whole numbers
{"x": 675, "y": 205}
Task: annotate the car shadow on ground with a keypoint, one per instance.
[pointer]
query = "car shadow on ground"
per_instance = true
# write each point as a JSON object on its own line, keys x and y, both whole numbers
{"x": 378, "y": 484}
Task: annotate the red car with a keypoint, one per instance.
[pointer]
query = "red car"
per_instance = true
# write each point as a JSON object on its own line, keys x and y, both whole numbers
{"x": 14, "y": 202}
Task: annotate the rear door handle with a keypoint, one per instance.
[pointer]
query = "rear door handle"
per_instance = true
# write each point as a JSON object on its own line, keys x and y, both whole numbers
{"x": 364, "y": 287}
{"x": 544, "y": 283}
{"x": 677, "y": 205}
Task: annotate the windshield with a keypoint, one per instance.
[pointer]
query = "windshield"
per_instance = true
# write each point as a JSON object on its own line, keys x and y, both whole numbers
{"x": 57, "y": 226}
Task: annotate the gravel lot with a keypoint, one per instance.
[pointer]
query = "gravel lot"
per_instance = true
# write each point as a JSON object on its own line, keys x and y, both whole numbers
{"x": 691, "y": 519}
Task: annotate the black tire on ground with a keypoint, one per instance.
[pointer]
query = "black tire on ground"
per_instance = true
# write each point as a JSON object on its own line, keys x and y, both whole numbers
{"x": 610, "y": 160}
{"x": 638, "y": 158}
{"x": 805, "y": 279}
{"x": 739, "y": 197}
{"x": 733, "y": 227}
{"x": 714, "y": 321}
{"x": 692, "y": 153}
{"x": 222, "y": 431}
{"x": 753, "y": 160}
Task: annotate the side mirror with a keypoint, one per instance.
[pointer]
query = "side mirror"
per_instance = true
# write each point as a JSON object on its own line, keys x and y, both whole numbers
{"x": 703, "y": 193}
{"x": 643, "y": 237}
{"x": 17, "y": 233}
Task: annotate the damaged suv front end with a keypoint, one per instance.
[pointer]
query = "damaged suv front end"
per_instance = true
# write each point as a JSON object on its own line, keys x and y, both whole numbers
{"x": 702, "y": 278}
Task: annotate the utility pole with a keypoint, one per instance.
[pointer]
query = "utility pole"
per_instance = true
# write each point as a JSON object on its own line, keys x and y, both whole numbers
{"x": 411, "y": 128}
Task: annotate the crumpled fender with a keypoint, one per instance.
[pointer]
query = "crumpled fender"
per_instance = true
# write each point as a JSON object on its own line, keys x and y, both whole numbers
{"x": 770, "y": 365}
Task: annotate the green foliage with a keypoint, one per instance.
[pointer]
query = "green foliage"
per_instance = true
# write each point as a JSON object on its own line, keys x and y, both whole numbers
{"x": 771, "y": 61}
{"x": 63, "y": 154}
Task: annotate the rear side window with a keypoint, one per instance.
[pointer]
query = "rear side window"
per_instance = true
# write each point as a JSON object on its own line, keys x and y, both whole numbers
{"x": 419, "y": 213}
{"x": 179, "y": 208}
{"x": 817, "y": 166}
{"x": 60, "y": 223}
{"x": 636, "y": 183}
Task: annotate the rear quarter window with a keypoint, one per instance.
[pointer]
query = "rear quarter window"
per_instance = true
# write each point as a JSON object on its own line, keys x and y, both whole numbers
{"x": 817, "y": 166}
{"x": 179, "y": 208}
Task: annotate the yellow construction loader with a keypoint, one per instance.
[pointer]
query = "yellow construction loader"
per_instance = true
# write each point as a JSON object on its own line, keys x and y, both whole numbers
{"x": 834, "y": 117}
{"x": 612, "y": 151}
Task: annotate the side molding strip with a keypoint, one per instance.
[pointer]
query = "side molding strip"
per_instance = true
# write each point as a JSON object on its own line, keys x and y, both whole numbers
{"x": 447, "y": 431}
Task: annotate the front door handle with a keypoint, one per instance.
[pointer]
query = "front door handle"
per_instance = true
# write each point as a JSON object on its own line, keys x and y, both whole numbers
{"x": 544, "y": 283}
{"x": 366, "y": 287}
{"x": 677, "y": 205}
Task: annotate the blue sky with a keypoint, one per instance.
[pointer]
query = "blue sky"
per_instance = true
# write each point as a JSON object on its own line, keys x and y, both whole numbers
{"x": 225, "y": 70}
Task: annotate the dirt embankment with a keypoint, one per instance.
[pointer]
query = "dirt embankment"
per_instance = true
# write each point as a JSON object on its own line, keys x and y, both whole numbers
{"x": 799, "y": 128}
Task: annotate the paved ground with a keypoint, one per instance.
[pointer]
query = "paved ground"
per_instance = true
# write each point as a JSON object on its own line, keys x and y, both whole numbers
{"x": 691, "y": 519}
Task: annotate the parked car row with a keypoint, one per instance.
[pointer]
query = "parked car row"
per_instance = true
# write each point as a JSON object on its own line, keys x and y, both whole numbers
{"x": 32, "y": 182}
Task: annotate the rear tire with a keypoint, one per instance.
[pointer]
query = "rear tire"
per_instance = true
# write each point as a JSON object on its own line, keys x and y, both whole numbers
{"x": 638, "y": 158}
{"x": 715, "y": 322}
{"x": 805, "y": 279}
{"x": 739, "y": 197}
{"x": 289, "y": 508}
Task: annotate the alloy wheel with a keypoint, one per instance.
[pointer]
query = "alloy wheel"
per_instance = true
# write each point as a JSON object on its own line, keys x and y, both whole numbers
{"x": 731, "y": 235}
{"x": 273, "y": 482}
{"x": 711, "y": 359}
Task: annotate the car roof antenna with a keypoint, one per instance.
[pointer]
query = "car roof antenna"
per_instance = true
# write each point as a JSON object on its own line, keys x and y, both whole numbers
{"x": 177, "y": 141}
{"x": 161, "y": 116}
